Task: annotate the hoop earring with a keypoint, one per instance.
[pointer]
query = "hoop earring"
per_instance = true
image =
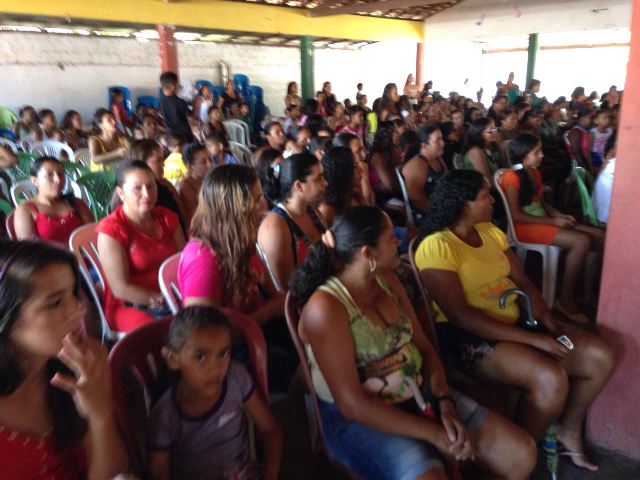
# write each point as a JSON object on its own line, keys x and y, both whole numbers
{"x": 372, "y": 265}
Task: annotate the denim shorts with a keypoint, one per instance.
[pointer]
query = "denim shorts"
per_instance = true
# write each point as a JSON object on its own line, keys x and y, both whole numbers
{"x": 376, "y": 455}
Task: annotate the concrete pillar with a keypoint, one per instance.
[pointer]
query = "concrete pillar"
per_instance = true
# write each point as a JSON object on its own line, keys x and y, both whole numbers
{"x": 532, "y": 51}
{"x": 419, "y": 64}
{"x": 168, "y": 49}
{"x": 613, "y": 419}
{"x": 306, "y": 67}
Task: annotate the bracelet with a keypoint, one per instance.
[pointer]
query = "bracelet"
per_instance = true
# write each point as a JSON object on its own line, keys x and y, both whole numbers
{"x": 445, "y": 397}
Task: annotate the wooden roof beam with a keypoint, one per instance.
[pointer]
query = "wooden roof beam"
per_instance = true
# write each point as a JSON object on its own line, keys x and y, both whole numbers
{"x": 325, "y": 9}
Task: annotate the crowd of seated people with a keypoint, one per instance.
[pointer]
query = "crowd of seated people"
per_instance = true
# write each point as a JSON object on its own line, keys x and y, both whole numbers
{"x": 321, "y": 213}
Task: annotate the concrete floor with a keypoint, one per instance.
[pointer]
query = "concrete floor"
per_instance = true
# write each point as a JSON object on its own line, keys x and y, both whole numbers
{"x": 299, "y": 464}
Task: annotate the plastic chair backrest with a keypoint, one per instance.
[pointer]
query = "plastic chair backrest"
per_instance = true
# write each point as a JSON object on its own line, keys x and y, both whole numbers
{"x": 11, "y": 230}
{"x": 315, "y": 422}
{"x": 83, "y": 157}
{"x": 9, "y": 143}
{"x": 99, "y": 187}
{"x": 168, "y": 281}
{"x": 582, "y": 177}
{"x": 22, "y": 170}
{"x": 427, "y": 322}
{"x": 5, "y": 207}
{"x": 4, "y": 189}
{"x": 242, "y": 153}
{"x": 511, "y": 230}
{"x": 148, "y": 101}
{"x": 458, "y": 161}
{"x": 7, "y": 117}
{"x": 23, "y": 191}
{"x": 200, "y": 83}
{"x": 84, "y": 245}
{"x": 405, "y": 197}
{"x": 235, "y": 132}
{"x": 136, "y": 363}
{"x": 75, "y": 170}
{"x": 53, "y": 149}
{"x": 8, "y": 135}
{"x": 267, "y": 265}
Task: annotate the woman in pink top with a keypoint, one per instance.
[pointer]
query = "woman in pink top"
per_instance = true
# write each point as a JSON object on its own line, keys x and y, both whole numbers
{"x": 50, "y": 215}
{"x": 220, "y": 266}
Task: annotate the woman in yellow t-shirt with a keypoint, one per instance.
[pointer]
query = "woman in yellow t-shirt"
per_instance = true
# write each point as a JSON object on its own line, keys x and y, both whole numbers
{"x": 466, "y": 265}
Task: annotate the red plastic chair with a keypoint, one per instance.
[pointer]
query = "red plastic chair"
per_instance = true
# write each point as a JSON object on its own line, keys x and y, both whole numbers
{"x": 318, "y": 446}
{"x": 140, "y": 376}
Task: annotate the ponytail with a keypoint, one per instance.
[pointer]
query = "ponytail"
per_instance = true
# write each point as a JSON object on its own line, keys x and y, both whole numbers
{"x": 311, "y": 273}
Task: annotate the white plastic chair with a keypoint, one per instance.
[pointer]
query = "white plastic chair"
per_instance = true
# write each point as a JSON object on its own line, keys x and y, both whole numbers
{"x": 267, "y": 265}
{"x": 4, "y": 189}
{"x": 245, "y": 129}
{"x": 235, "y": 132}
{"x": 53, "y": 149}
{"x": 550, "y": 253}
{"x": 83, "y": 156}
{"x": 9, "y": 143}
{"x": 242, "y": 153}
{"x": 84, "y": 245}
{"x": 458, "y": 161}
{"x": 168, "y": 281}
{"x": 22, "y": 191}
{"x": 405, "y": 197}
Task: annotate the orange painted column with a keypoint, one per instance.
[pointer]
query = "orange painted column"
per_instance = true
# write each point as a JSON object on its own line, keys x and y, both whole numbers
{"x": 614, "y": 418}
{"x": 419, "y": 63}
{"x": 168, "y": 49}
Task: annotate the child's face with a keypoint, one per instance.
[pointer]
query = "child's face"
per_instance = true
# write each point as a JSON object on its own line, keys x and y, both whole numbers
{"x": 170, "y": 89}
{"x": 304, "y": 137}
{"x": 201, "y": 164}
{"x": 215, "y": 115}
{"x": 203, "y": 360}
{"x": 244, "y": 110}
{"x": 534, "y": 157}
{"x": 214, "y": 148}
{"x": 603, "y": 120}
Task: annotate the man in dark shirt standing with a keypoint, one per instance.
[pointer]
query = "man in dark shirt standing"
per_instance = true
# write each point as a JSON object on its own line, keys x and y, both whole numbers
{"x": 175, "y": 111}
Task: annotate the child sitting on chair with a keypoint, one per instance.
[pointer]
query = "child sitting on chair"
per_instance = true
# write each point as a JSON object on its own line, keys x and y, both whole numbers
{"x": 197, "y": 428}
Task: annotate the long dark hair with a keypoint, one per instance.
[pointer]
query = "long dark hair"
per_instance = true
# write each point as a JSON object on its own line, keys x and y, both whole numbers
{"x": 474, "y": 134}
{"x": 448, "y": 199}
{"x": 19, "y": 262}
{"x": 66, "y": 120}
{"x": 519, "y": 148}
{"x": 269, "y": 175}
{"x": 338, "y": 167}
{"x": 293, "y": 168}
{"x": 352, "y": 230}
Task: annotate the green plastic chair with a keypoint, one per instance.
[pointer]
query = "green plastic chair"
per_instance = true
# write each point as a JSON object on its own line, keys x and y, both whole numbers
{"x": 5, "y": 207}
{"x": 99, "y": 187}
{"x": 21, "y": 171}
{"x": 7, "y": 117}
{"x": 582, "y": 178}
{"x": 75, "y": 170}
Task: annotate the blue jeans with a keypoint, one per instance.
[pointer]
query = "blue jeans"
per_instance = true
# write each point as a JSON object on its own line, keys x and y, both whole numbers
{"x": 377, "y": 455}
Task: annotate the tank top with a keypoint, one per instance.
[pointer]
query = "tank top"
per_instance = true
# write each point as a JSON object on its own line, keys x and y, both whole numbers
{"x": 203, "y": 114}
{"x": 104, "y": 167}
{"x": 491, "y": 161}
{"x": 385, "y": 356}
{"x": 56, "y": 229}
{"x": 300, "y": 242}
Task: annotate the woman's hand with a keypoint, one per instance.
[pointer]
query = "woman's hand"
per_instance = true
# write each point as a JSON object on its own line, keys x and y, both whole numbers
{"x": 563, "y": 222}
{"x": 459, "y": 444}
{"x": 90, "y": 386}
{"x": 550, "y": 346}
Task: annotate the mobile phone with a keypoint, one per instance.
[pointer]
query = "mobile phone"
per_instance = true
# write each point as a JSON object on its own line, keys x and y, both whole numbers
{"x": 565, "y": 341}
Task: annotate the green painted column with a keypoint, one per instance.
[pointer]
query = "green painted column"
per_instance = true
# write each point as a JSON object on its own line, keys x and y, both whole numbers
{"x": 306, "y": 67}
{"x": 532, "y": 51}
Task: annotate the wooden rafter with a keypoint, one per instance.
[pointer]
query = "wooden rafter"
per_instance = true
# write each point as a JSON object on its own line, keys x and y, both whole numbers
{"x": 325, "y": 9}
